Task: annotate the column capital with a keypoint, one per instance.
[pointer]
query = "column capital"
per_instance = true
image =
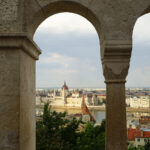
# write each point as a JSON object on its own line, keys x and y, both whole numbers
{"x": 116, "y": 60}
{"x": 115, "y": 72}
{"x": 20, "y": 42}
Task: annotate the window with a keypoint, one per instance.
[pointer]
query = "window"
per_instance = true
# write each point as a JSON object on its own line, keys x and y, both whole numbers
{"x": 145, "y": 140}
{"x": 138, "y": 140}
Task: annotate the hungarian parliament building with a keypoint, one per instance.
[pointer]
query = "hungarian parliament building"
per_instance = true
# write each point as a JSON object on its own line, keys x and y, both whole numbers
{"x": 66, "y": 98}
{"x": 73, "y": 98}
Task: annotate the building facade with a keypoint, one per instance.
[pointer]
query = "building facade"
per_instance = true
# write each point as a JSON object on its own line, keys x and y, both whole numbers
{"x": 65, "y": 98}
{"x": 138, "y": 102}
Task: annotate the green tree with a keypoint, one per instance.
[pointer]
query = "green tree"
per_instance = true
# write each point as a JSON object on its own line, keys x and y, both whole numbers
{"x": 147, "y": 145}
{"x": 132, "y": 148}
{"x": 55, "y": 132}
{"x": 93, "y": 138}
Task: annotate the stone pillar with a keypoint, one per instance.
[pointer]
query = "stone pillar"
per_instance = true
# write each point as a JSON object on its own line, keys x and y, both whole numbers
{"x": 115, "y": 59}
{"x": 17, "y": 93}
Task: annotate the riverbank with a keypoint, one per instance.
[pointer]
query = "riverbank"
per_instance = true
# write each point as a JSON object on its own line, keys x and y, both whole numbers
{"x": 99, "y": 108}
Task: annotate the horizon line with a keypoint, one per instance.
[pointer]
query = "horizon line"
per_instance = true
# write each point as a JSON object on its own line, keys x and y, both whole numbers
{"x": 93, "y": 87}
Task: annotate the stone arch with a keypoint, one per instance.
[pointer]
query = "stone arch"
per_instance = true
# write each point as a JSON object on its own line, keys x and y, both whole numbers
{"x": 146, "y": 11}
{"x": 59, "y": 7}
{"x": 114, "y": 18}
{"x": 141, "y": 12}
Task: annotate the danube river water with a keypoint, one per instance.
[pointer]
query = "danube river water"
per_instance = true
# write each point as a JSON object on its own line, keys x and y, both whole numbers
{"x": 100, "y": 115}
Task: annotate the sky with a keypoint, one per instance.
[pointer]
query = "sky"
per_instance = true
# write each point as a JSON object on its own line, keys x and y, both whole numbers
{"x": 71, "y": 52}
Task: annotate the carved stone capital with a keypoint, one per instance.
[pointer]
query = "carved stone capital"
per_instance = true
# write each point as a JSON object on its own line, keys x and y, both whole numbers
{"x": 115, "y": 72}
{"x": 116, "y": 60}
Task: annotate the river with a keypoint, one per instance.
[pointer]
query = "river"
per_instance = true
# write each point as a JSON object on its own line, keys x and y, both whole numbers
{"x": 100, "y": 115}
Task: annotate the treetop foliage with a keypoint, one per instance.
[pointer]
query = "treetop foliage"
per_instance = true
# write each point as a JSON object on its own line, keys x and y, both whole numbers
{"x": 55, "y": 132}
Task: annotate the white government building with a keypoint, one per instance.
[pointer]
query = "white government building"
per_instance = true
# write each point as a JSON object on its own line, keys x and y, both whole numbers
{"x": 138, "y": 101}
{"x": 67, "y": 99}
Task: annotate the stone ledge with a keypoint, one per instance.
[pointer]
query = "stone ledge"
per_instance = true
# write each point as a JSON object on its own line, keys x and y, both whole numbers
{"x": 116, "y": 50}
{"x": 117, "y": 42}
{"x": 115, "y": 81}
{"x": 20, "y": 41}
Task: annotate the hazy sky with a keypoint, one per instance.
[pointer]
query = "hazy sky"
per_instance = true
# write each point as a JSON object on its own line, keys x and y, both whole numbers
{"x": 71, "y": 51}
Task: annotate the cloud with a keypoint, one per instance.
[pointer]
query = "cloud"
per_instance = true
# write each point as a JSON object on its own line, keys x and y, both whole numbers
{"x": 80, "y": 72}
{"x": 141, "y": 32}
{"x": 70, "y": 47}
{"x": 56, "y": 58}
{"x": 139, "y": 77}
{"x": 58, "y": 72}
{"x": 66, "y": 22}
{"x": 54, "y": 77}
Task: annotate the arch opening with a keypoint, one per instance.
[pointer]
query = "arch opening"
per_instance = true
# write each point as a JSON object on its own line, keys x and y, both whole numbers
{"x": 57, "y": 54}
{"x": 60, "y": 7}
{"x": 137, "y": 96}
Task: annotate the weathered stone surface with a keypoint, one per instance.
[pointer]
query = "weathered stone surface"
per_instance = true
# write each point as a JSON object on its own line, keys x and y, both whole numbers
{"x": 9, "y": 122}
{"x": 9, "y": 99}
{"x": 8, "y": 10}
{"x": 9, "y": 72}
{"x": 27, "y": 102}
{"x": 17, "y": 93}
{"x": 10, "y": 16}
{"x": 115, "y": 107}
{"x": 116, "y": 18}
{"x": 115, "y": 59}
{"x": 116, "y": 137}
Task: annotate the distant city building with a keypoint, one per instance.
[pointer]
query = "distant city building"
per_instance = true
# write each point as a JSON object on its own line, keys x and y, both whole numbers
{"x": 144, "y": 121}
{"x": 138, "y": 136}
{"x": 135, "y": 98}
{"x": 67, "y": 98}
{"x": 86, "y": 115}
{"x": 138, "y": 101}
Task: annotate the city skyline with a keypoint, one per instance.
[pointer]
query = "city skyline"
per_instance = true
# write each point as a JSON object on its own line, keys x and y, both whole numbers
{"x": 71, "y": 52}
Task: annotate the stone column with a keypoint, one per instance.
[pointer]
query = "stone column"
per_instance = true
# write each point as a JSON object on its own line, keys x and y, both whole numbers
{"x": 115, "y": 59}
{"x": 17, "y": 93}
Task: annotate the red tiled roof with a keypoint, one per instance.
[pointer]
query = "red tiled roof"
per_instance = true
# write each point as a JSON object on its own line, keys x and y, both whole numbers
{"x": 84, "y": 109}
{"x": 131, "y": 134}
{"x": 134, "y": 133}
{"x": 146, "y": 134}
{"x": 101, "y": 95}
